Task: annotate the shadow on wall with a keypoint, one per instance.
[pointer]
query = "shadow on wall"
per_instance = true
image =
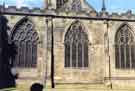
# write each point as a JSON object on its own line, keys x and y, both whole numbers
{"x": 7, "y": 51}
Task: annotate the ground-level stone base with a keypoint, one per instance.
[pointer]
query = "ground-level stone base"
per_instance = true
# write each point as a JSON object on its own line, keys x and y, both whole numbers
{"x": 97, "y": 87}
{"x": 24, "y": 85}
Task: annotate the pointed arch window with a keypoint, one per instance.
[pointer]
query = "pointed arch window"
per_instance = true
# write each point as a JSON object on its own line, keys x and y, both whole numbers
{"x": 125, "y": 48}
{"x": 76, "y": 5}
{"x": 76, "y": 47}
{"x": 25, "y": 39}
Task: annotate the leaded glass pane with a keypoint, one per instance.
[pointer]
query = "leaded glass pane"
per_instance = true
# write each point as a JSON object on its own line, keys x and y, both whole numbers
{"x": 74, "y": 55}
{"x": 117, "y": 56}
{"x": 85, "y": 55}
{"x": 80, "y": 55}
{"x": 127, "y": 56}
{"x": 133, "y": 55}
{"x": 67, "y": 55}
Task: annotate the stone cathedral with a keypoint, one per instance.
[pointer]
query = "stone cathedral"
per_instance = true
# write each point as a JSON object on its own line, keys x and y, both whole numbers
{"x": 85, "y": 51}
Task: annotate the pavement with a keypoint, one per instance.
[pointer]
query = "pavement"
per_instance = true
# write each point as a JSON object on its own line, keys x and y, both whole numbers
{"x": 73, "y": 88}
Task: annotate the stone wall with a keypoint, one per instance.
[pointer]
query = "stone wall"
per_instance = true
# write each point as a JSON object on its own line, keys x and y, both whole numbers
{"x": 98, "y": 45}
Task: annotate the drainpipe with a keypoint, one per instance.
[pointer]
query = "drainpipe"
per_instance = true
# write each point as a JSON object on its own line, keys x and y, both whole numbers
{"x": 49, "y": 22}
{"x": 108, "y": 46}
{"x": 52, "y": 55}
{"x": 46, "y": 68}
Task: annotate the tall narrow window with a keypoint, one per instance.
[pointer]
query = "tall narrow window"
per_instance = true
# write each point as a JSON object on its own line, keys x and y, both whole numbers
{"x": 25, "y": 39}
{"x": 125, "y": 48}
{"x": 76, "y": 47}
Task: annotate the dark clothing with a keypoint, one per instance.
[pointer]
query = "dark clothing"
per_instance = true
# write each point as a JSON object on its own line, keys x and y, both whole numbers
{"x": 36, "y": 87}
{"x": 6, "y": 77}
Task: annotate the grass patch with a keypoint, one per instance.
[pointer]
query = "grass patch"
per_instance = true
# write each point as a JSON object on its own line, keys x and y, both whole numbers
{"x": 8, "y": 89}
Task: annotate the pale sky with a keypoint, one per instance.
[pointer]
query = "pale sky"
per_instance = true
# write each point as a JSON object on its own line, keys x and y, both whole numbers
{"x": 112, "y": 5}
{"x": 19, "y": 3}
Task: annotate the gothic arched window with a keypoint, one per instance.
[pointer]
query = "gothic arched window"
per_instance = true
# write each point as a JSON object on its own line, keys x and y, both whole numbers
{"x": 76, "y": 5}
{"x": 76, "y": 47}
{"x": 25, "y": 39}
{"x": 125, "y": 48}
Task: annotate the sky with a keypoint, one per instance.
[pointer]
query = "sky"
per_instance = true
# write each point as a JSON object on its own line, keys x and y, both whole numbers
{"x": 111, "y": 5}
{"x": 114, "y": 5}
{"x": 19, "y": 3}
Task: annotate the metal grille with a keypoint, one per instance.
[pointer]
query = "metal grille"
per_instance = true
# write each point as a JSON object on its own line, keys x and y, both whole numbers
{"x": 26, "y": 40}
{"x": 125, "y": 48}
{"x": 76, "y": 5}
{"x": 76, "y": 47}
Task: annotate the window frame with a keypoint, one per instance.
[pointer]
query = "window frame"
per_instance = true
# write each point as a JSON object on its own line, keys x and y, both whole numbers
{"x": 26, "y": 39}
{"x": 83, "y": 41}
{"x": 128, "y": 43}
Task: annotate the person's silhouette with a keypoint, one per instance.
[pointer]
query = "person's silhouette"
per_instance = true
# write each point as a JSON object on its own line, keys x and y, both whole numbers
{"x": 6, "y": 77}
{"x": 36, "y": 87}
